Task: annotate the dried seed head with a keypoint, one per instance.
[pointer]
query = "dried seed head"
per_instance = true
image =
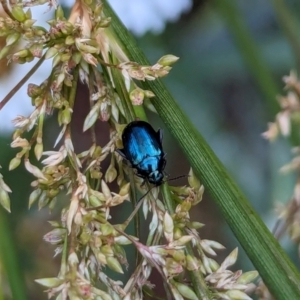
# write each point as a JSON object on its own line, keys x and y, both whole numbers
{"x": 137, "y": 96}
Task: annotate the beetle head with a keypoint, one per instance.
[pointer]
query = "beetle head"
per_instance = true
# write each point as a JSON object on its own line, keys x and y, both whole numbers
{"x": 156, "y": 178}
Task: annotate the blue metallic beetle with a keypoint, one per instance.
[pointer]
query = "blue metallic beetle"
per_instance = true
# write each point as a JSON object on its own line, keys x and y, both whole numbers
{"x": 143, "y": 149}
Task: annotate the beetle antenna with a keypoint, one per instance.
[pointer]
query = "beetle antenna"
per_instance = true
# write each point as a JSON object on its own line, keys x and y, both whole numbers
{"x": 178, "y": 177}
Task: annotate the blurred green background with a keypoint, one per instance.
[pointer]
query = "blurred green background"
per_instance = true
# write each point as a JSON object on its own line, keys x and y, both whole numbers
{"x": 233, "y": 55}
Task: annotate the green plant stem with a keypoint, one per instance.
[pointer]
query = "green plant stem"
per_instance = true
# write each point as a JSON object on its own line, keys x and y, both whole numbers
{"x": 251, "y": 53}
{"x": 255, "y": 62}
{"x": 73, "y": 90}
{"x": 168, "y": 198}
{"x": 91, "y": 90}
{"x": 277, "y": 271}
{"x": 64, "y": 257}
{"x": 199, "y": 284}
{"x": 140, "y": 112}
{"x": 290, "y": 24}
{"x": 9, "y": 260}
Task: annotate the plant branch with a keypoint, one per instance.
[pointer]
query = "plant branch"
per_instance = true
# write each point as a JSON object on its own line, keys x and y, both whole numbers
{"x": 21, "y": 82}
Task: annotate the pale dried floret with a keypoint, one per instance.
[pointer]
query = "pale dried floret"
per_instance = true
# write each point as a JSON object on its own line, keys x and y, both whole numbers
{"x": 20, "y": 142}
{"x": 272, "y": 132}
{"x": 291, "y": 79}
{"x": 232, "y": 284}
{"x": 291, "y": 82}
{"x": 34, "y": 170}
{"x": 20, "y": 121}
{"x": 82, "y": 187}
{"x": 284, "y": 122}
{"x": 55, "y": 236}
{"x": 72, "y": 211}
{"x": 55, "y": 157}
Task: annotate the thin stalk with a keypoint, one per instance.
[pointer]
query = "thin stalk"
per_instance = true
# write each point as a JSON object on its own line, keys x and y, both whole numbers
{"x": 21, "y": 82}
{"x": 91, "y": 91}
{"x": 168, "y": 198}
{"x": 73, "y": 90}
{"x": 136, "y": 205}
{"x": 200, "y": 287}
{"x": 64, "y": 257}
{"x": 262, "y": 248}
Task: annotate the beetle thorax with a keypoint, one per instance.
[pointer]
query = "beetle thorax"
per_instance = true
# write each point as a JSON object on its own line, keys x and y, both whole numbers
{"x": 149, "y": 164}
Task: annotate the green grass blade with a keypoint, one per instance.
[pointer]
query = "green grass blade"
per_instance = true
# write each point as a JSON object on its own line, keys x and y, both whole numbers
{"x": 9, "y": 261}
{"x": 249, "y": 50}
{"x": 279, "y": 274}
{"x": 251, "y": 53}
{"x": 290, "y": 25}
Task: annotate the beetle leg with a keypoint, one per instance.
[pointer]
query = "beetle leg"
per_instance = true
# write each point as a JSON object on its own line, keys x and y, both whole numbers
{"x": 163, "y": 162}
{"x": 120, "y": 151}
{"x": 138, "y": 174}
{"x": 143, "y": 183}
{"x": 160, "y": 135}
{"x": 125, "y": 160}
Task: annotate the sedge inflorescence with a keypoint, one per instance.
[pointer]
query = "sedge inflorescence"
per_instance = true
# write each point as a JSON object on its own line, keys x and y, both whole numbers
{"x": 85, "y": 48}
{"x": 286, "y": 121}
{"x": 289, "y": 213}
